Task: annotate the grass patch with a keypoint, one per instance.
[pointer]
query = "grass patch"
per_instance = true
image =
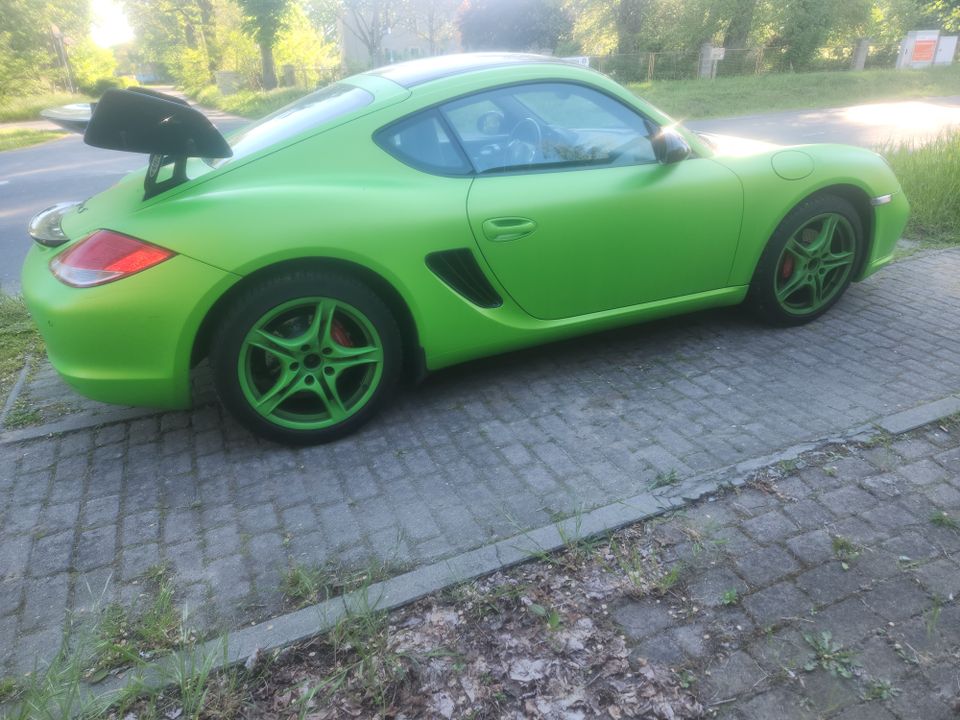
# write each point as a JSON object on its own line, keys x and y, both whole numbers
{"x": 18, "y": 339}
{"x": 11, "y": 139}
{"x": 943, "y": 520}
{"x": 29, "y": 107}
{"x": 663, "y": 480}
{"x": 732, "y": 96}
{"x": 930, "y": 177}
{"x": 250, "y": 103}
{"x": 127, "y": 638}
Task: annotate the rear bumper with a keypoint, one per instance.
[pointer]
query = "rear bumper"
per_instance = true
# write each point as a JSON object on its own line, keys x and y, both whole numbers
{"x": 128, "y": 342}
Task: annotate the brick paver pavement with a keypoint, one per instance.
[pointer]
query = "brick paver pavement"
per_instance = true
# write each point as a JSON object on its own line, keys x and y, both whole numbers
{"x": 844, "y": 543}
{"x": 477, "y": 454}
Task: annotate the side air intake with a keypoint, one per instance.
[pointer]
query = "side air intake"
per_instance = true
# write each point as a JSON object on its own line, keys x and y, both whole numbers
{"x": 458, "y": 269}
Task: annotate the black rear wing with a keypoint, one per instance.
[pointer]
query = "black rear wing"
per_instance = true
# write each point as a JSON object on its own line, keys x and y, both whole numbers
{"x": 162, "y": 126}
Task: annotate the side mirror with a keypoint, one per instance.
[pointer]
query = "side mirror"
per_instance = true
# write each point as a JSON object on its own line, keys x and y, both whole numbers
{"x": 670, "y": 147}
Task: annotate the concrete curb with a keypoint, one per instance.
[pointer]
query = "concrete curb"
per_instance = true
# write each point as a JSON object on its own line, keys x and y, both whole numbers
{"x": 290, "y": 628}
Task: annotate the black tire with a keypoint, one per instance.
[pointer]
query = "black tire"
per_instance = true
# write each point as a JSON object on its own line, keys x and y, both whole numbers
{"x": 231, "y": 354}
{"x": 769, "y": 279}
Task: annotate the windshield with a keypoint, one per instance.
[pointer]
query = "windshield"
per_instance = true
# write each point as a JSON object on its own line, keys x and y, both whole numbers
{"x": 307, "y": 112}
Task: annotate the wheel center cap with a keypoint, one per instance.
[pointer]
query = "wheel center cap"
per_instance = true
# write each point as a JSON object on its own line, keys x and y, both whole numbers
{"x": 312, "y": 361}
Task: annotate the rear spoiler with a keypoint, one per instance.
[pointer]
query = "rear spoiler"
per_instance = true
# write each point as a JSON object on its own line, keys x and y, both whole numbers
{"x": 162, "y": 126}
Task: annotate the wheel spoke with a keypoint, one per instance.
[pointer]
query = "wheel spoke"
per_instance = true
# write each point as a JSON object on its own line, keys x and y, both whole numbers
{"x": 326, "y": 390}
{"x": 816, "y": 290}
{"x": 287, "y": 384}
{"x": 798, "y": 249}
{"x": 824, "y": 240}
{"x": 799, "y": 280}
{"x": 279, "y": 347}
{"x": 832, "y": 261}
{"x": 344, "y": 357}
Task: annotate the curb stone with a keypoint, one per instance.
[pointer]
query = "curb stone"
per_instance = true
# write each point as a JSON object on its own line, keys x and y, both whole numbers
{"x": 290, "y": 628}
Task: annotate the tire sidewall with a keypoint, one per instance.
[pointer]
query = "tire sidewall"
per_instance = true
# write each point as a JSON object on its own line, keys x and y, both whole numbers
{"x": 258, "y": 300}
{"x": 762, "y": 287}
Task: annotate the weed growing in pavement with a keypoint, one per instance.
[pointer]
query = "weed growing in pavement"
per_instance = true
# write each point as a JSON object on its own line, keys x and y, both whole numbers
{"x": 578, "y": 547}
{"x": 943, "y": 520}
{"x": 663, "y": 480}
{"x": 686, "y": 679}
{"x": 304, "y": 585}
{"x": 878, "y": 689}
{"x": 308, "y": 584}
{"x": 787, "y": 467}
{"x": 9, "y": 688}
{"x": 550, "y": 616}
{"x": 730, "y": 597}
{"x": 830, "y": 655}
{"x": 124, "y": 637}
{"x": 846, "y": 551}
{"x": 668, "y": 580}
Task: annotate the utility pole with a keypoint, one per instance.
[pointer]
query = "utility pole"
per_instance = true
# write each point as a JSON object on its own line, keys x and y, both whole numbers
{"x": 62, "y": 58}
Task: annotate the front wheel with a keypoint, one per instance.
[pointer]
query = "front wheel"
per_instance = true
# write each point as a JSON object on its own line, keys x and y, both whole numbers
{"x": 809, "y": 261}
{"x": 306, "y": 357}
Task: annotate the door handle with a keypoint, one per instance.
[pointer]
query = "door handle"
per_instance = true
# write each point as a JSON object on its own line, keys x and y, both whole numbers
{"x": 508, "y": 228}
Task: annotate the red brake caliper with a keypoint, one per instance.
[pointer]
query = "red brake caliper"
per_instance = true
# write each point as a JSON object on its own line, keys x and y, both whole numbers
{"x": 340, "y": 335}
{"x": 786, "y": 269}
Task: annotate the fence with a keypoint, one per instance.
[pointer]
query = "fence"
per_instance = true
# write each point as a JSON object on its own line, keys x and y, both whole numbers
{"x": 691, "y": 64}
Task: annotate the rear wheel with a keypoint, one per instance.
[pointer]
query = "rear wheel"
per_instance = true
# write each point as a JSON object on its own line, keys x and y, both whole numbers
{"x": 306, "y": 358}
{"x": 809, "y": 262}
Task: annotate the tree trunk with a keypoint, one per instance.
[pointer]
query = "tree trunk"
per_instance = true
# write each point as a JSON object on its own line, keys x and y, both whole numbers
{"x": 629, "y": 23}
{"x": 738, "y": 31}
{"x": 269, "y": 71}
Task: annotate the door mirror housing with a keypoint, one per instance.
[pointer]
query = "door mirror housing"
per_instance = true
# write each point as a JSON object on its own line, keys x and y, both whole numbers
{"x": 670, "y": 147}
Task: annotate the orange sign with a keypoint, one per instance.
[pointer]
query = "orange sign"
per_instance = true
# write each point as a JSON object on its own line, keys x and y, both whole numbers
{"x": 923, "y": 50}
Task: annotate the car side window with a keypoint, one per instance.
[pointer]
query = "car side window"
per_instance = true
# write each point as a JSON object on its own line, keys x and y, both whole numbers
{"x": 543, "y": 126}
{"x": 422, "y": 142}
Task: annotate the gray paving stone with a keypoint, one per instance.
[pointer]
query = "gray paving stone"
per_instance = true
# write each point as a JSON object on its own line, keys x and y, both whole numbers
{"x": 772, "y": 526}
{"x": 770, "y": 606}
{"x": 643, "y": 618}
{"x": 765, "y": 566}
{"x": 813, "y": 547}
{"x": 825, "y": 584}
{"x": 898, "y": 598}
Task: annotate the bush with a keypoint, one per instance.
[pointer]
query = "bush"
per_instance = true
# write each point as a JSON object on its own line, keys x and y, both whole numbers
{"x": 251, "y": 104}
{"x": 93, "y": 67}
{"x": 930, "y": 177}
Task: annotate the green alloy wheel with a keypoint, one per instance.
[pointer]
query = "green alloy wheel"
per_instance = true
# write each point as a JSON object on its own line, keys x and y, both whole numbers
{"x": 306, "y": 357}
{"x": 809, "y": 261}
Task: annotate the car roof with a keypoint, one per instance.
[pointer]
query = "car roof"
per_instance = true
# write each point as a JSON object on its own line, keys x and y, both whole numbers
{"x": 416, "y": 72}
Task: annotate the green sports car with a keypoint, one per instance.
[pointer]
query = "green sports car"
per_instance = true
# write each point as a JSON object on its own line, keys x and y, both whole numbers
{"x": 420, "y": 215}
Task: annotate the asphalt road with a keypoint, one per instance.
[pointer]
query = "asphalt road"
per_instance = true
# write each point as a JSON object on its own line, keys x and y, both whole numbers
{"x": 37, "y": 177}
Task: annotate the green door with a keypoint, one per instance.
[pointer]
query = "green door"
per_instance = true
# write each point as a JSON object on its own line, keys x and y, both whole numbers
{"x": 607, "y": 238}
{"x": 572, "y": 210}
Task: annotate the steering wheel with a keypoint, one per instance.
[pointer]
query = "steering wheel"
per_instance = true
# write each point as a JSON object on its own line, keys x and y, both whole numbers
{"x": 526, "y": 140}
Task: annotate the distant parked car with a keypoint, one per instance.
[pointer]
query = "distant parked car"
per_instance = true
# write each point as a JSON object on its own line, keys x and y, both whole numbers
{"x": 420, "y": 215}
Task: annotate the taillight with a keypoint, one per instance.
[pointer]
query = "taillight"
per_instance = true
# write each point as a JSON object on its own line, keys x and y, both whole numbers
{"x": 104, "y": 257}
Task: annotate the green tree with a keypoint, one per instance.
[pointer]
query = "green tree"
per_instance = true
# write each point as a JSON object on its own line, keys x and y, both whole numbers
{"x": 28, "y": 60}
{"x": 263, "y": 20}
